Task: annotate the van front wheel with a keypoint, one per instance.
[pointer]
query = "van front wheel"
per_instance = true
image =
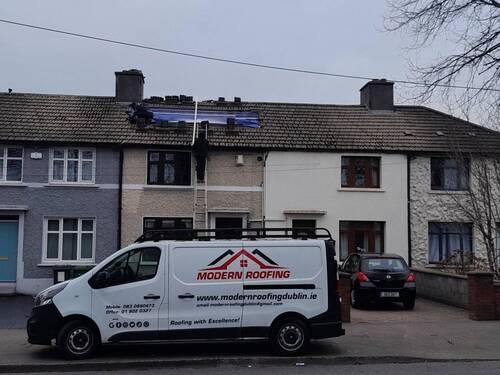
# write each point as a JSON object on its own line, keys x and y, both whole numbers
{"x": 290, "y": 338}
{"x": 77, "y": 340}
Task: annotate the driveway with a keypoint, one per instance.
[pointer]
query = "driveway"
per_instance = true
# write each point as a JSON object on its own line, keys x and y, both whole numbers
{"x": 15, "y": 311}
{"x": 424, "y": 311}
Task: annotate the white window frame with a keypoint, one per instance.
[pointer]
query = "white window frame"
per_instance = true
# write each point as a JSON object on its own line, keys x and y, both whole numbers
{"x": 3, "y": 175}
{"x": 60, "y": 232}
{"x": 80, "y": 160}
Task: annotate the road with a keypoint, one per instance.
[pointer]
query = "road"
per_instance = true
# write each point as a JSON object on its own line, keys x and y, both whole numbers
{"x": 455, "y": 368}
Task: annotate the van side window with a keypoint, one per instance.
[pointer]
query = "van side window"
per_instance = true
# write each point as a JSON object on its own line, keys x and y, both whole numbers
{"x": 135, "y": 265}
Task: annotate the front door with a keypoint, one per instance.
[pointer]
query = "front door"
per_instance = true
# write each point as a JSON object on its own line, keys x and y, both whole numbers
{"x": 206, "y": 290}
{"x": 8, "y": 248}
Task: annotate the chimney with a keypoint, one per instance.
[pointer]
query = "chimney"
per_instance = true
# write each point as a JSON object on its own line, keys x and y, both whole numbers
{"x": 129, "y": 86}
{"x": 378, "y": 94}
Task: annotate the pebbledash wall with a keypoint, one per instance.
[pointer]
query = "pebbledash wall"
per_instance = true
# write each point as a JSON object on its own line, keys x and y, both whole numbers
{"x": 233, "y": 190}
{"x": 307, "y": 185}
{"x": 428, "y": 205}
{"x": 35, "y": 199}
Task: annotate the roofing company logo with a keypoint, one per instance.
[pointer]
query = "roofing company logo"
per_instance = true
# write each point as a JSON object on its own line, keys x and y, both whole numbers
{"x": 267, "y": 268}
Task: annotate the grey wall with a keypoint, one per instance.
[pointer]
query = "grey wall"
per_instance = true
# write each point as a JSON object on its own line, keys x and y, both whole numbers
{"x": 443, "y": 287}
{"x": 95, "y": 201}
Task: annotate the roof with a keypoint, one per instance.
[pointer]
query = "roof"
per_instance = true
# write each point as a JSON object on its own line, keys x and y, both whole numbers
{"x": 284, "y": 126}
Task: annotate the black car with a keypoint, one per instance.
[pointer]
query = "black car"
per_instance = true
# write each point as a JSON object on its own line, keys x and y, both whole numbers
{"x": 379, "y": 278}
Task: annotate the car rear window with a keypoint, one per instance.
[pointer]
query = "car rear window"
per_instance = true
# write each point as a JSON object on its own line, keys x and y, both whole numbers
{"x": 383, "y": 265}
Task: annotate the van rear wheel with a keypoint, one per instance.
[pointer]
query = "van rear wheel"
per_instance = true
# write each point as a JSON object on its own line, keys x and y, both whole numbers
{"x": 290, "y": 337}
{"x": 78, "y": 340}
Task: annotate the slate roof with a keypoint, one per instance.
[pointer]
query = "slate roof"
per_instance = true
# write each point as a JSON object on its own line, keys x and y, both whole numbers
{"x": 284, "y": 126}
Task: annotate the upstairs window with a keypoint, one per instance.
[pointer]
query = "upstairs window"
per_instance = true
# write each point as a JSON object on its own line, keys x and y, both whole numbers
{"x": 72, "y": 165}
{"x": 450, "y": 174}
{"x": 11, "y": 164}
{"x": 360, "y": 172}
{"x": 169, "y": 168}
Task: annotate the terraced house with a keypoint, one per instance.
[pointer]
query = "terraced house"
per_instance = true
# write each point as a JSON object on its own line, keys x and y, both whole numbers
{"x": 80, "y": 178}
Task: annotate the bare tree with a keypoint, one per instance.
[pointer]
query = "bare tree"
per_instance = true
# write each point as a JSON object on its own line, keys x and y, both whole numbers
{"x": 472, "y": 31}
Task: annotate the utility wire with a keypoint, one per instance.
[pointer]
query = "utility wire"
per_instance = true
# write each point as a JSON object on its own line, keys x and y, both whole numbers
{"x": 237, "y": 62}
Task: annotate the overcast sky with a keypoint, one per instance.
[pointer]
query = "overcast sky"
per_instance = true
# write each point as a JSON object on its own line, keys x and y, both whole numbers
{"x": 339, "y": 36}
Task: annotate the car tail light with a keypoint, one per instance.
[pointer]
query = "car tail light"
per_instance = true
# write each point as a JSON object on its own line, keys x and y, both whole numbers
{"x": 411, "y": 278}
{"x": 361, "y": 276}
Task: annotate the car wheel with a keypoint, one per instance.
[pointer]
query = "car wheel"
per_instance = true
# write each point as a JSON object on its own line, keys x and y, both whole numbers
{"x": 78, "y": 340}
{"x": 290, "y": 337}
{"x": 355, "y": 302}
{"x": 409, "y": 303}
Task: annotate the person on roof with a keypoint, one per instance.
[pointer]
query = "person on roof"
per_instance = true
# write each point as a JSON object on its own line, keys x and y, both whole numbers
{"x": 200, "y": 151}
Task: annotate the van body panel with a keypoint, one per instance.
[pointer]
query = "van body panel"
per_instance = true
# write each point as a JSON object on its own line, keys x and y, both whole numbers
{"x": 202, "y": 274}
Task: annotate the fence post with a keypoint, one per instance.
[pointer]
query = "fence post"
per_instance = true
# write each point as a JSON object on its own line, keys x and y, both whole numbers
{"x": 345, "y": 294}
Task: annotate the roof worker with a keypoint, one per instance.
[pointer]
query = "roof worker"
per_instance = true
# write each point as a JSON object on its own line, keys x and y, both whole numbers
{"x": 200, "y": 151}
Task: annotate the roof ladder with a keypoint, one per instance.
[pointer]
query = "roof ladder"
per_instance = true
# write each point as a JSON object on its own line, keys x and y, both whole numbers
{"x": 200, "y": 199}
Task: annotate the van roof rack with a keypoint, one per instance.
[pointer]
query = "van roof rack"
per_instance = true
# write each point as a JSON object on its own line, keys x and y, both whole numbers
{"x": 233, "y": 234}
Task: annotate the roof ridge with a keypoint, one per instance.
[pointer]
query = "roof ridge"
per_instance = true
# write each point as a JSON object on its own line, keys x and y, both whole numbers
{"x": 55, "y": 95}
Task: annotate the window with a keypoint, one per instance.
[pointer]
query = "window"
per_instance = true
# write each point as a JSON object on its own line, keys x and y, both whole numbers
{"x": 230, "y": 222}
{"x": 72, "y": 165}
{"x": 152, "y": 223}
{"x": 169, "y": 168}
{"x": 361, "y": 237}
{"x": 303, "y": 223}
{"x": 135, "y": 265}
{"x": 384, "y": 264}
{"x": 449, "y": 174}
{"x": 360, "y": 172}
{"x": 445, "y": 239}
{"x": 69, "y": 240}
{"x": 11, "y": 164}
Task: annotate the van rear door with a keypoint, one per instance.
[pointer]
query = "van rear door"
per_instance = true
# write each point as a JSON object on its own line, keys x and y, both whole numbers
{"x": 205, "y": 290}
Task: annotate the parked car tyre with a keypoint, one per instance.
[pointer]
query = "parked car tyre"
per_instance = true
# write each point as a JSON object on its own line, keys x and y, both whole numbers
{"x": 355, "y": 301}
{"x": 78, "y": 339}
{"x": 290, "y": 337}
{"x": 409, "y": 303}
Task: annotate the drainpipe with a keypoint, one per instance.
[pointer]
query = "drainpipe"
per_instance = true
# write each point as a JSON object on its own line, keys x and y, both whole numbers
{"x": 263, "y": 213}
{"x": 120, "y": 192}
{"x": 408, "y": 198}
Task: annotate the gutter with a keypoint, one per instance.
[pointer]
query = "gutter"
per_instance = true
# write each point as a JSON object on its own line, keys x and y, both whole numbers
{"x": 120, "y": 198}
{"x": 408, "y": 200}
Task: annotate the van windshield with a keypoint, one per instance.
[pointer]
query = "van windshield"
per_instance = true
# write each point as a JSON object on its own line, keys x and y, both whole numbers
{"x": 383, "y": 265}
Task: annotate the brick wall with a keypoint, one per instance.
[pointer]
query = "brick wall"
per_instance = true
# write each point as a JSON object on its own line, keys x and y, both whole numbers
{"x": 484, "y": 296}
{"x": 345, "y": 293}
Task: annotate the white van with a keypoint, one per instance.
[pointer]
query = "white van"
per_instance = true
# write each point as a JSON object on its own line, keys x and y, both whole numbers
{"x": 281, "y": 289}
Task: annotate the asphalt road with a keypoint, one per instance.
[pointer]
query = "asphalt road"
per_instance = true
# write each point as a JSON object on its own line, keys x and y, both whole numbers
{"x": 455, "y": 368}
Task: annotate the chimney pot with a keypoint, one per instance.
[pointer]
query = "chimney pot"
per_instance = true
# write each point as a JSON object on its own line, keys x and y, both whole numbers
{"x": 378, "y": 94}
{"x": 129, "y": 86}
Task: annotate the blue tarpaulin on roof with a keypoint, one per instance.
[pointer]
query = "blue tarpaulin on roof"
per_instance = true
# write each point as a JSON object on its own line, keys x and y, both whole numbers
{"x": 247, "y": 119}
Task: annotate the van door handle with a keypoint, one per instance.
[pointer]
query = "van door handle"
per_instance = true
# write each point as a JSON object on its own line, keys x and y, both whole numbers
{"x": 185, "y": 295}
{"x": 151, "y": 296}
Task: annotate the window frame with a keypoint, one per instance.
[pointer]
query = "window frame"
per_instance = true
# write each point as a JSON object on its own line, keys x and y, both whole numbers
{"x": 351, "y": 171}
{"x": 459, "y": 187}
{"x": 65, "y": 160}
{"x": 5, "y": 158}
{"x": 164, "y": 152}
{"x": 441, "y": 233}
{"x": 60, "y": 232}
{"x": 371, "y": 237}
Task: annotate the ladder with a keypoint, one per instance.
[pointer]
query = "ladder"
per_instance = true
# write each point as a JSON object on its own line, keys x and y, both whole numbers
{"x": 200, "y": 196}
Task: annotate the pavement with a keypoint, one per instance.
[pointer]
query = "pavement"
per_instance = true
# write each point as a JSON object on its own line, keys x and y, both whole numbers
{"x": 381, "y": 334}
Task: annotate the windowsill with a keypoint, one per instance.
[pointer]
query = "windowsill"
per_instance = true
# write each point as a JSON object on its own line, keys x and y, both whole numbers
{"x": 71, "y": 184}
{"x": 13, "y": 183}
{"x": 65, "y": 264}
{"x": 168, "y": 187}
{"x": 448, "y": 192}
{"x": 366, "y": 190}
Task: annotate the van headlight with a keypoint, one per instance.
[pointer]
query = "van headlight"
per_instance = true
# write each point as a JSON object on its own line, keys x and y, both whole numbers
{"x": 46, "y": 295}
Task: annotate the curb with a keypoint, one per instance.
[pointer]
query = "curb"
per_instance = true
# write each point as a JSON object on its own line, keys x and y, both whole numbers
{"x": 81, "y": 366}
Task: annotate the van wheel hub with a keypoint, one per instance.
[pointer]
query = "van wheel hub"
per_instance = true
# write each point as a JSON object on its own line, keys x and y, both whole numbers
{"x": 291, "y": 337}
{"x": 79, "y": 340}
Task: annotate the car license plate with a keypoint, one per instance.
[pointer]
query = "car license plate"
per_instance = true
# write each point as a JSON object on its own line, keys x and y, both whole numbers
{"x": 389, "y": 294}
